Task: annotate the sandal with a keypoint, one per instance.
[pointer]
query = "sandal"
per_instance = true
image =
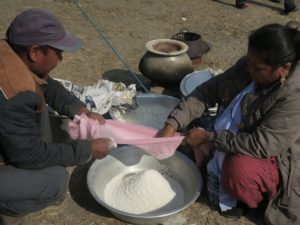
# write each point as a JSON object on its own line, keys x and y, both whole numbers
{"x": 241, "y": 5}
{"x": 233, "y": 213}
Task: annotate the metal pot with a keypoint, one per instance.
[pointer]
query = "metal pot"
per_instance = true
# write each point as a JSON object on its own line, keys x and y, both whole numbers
{"x": 197, "y": 47}
{"x": 166, "y": 61}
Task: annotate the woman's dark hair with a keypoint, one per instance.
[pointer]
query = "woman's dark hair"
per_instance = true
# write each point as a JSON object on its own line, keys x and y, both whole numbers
{"x": 277, "y": 44}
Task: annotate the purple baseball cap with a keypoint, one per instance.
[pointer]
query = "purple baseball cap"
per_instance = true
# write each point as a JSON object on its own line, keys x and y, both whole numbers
{"x": 40, "y": 27}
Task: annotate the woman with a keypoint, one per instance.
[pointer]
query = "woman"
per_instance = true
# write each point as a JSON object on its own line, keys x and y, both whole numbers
{"x": 256, "y": 140}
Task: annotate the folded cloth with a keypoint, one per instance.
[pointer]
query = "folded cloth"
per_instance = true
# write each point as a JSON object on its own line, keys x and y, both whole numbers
{"x": 143, "y": 137}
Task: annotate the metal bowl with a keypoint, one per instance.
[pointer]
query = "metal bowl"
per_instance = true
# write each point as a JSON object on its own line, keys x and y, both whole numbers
{"x": 131, "y": 158}
{"x": 151, "y": 110}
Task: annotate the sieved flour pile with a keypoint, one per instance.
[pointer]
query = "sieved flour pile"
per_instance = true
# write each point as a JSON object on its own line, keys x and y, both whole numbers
{"x": 141, "y": 191}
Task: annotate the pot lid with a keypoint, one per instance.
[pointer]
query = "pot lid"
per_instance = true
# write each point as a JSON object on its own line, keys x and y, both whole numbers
{"x": 192, "y": 80}
{"x": 197, "y": 49}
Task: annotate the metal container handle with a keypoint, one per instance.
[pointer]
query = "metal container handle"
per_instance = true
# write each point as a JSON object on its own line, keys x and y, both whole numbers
{"x": 180, "y": 35}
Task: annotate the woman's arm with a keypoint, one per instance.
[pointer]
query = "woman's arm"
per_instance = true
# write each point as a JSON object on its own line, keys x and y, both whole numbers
{"x": 277, "y": 130}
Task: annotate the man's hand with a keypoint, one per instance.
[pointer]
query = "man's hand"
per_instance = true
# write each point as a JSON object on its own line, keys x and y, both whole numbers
{"x": 196, "y": 136}
{"x": 101, "y": 147}
{"x": 167, "y": 131}
{"x": 92, "y": 115}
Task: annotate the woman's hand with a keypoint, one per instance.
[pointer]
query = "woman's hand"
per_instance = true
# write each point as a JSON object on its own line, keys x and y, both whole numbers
{"x": 196, "y": 136}
{"x": 92, "y": 115}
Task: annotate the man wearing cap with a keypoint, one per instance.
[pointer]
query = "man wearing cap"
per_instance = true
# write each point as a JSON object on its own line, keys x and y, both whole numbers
{"x": 32, "y": 174}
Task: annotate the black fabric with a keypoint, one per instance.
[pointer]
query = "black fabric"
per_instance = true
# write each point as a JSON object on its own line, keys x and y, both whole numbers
{"x": 3, "y": 99}
{"x": 60, "y": 99}
{"x": 21, "y": 142}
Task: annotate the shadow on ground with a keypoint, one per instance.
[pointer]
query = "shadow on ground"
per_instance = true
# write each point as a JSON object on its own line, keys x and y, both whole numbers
{"x": 255, "y": 215}
{"x": 126, "y": 77}
{"x": 80, "y": 194}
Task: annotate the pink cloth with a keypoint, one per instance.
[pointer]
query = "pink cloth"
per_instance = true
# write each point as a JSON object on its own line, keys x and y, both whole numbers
{"x": 143, "y": 137}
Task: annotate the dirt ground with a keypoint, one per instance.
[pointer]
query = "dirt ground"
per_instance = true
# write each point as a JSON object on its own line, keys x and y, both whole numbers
{"x": 128, "y": 25}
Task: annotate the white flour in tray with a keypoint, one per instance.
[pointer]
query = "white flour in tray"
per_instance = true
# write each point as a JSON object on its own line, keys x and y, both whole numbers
{"x": 142, "y": 191}
{"x": 148, "y": 115}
